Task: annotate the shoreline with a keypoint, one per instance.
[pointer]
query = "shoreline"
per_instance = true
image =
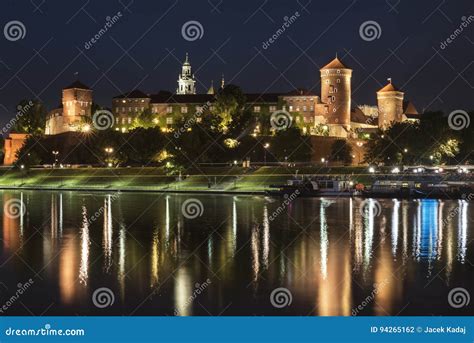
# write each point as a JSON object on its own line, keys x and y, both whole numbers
{"x": 128, "y": 190}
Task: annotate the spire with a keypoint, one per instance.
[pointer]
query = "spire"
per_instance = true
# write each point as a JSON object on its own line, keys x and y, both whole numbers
{"x": 186, "y": 61}
{"x": 222, "y": 82}
{"x": 211, "y": 89}
{"x": 389, "y": 80}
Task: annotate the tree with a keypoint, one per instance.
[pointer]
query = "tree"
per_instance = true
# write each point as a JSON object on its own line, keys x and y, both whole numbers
{"x": 143, "y": 145}
{"x": 341, "y": 151}
{"x": 230, "y": 111}
{"x": 144, "y": 119}
{"x": 291, "y": 145}
{"x": 30, "y": 117}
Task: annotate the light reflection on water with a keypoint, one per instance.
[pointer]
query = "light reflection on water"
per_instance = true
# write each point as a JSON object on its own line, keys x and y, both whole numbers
{"x": 328, "y": 252}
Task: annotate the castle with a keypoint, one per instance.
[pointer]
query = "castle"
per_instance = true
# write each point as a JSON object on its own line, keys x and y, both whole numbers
{"x": 330, "y": 114}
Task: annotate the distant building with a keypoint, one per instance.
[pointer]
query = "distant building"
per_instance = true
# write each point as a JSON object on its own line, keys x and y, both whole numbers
{"x": 13, "y": 143}
{"x": 328, "y": 114}
{"x": 74, "y": 111}
{"x": 186, "y": 81}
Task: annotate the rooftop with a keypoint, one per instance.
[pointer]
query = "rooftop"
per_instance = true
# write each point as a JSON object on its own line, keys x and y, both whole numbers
{"x": 335, "y": 64}
{"x": 77, "y": 84}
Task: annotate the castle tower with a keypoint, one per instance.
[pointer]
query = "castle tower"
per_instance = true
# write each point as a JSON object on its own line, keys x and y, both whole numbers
{"x": 390, "y": 105}
{"x": 77, "y": 103}
{"x": 186, "y": 82}
{"x": 211, "y": 90}
{"x": 336, "y": 94}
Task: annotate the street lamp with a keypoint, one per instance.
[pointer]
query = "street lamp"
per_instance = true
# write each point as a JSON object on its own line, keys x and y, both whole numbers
{"x": 405, "y": 150}
{"x": 108, "y": 151}
{"x": 266, "y": 146}
{"x": 55, "y": 154}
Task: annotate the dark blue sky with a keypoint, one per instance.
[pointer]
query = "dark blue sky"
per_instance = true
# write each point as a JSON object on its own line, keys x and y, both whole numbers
{"x": 145, "y": 47}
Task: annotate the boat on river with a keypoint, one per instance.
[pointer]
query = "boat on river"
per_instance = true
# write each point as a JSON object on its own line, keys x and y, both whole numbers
{"x": 313, "y": 187}
{"x": 415, "y": 189}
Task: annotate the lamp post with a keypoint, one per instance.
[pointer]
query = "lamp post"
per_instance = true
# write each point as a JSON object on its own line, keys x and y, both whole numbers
{"x": 266, "y": 146}
{"x": 109, "y": 151}
{"x": 55, "y": 157}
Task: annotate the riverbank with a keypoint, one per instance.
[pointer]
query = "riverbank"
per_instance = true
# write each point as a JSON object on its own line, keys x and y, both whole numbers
{"x": 224, "y": 180}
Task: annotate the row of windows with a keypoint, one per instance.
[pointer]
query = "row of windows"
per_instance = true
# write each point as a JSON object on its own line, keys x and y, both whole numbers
{"x": 337, "y": 81}
{"x": 131, "y": 100}
{"x": 258, "y": 109}
{"x": 81, "y": 103}
{"x": 301, "y": 99}
{"x": 298, "y": 108}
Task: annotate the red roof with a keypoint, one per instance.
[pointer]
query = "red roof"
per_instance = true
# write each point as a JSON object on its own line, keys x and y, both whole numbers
{"x": 335, "y": 64}
{"x": 389, "y": 88}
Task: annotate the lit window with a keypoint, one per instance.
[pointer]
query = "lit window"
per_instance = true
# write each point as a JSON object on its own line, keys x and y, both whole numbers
{"x": 169, "y": 120}
{"x": 297, "y": 119}
{"x": 304, "y": 108}
{"x": 184, "y": 109}
{"x": 169, "y": 109}
{"x": 198, "y": 119}
{"x": 291, "y": 108}
{"x": 273, "y": 108}
{"x": 123, "y": 120}
{"x": 129, "y": 120}
{"x": 297, "y": 108}
{"x": 256, "y": 109}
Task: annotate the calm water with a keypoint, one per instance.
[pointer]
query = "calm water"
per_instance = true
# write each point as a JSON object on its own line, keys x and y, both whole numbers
{"x": 327, "y": 252}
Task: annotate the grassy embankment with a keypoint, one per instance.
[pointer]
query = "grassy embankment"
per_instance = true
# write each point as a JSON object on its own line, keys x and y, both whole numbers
{"x": 230, "y": 179}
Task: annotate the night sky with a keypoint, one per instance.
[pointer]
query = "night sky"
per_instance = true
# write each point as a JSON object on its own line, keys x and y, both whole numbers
{"x": 144, "y": 49}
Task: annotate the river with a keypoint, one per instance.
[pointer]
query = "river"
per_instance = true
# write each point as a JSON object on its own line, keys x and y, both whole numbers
{"x": 92, "y": 253}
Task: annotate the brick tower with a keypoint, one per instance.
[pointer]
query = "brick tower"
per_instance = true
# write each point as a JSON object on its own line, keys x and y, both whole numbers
{"x": 390, "y": 105}
{"x": 336, "y": 94}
